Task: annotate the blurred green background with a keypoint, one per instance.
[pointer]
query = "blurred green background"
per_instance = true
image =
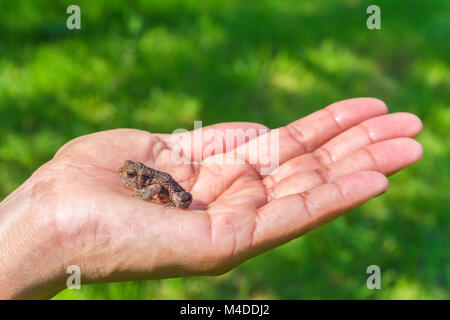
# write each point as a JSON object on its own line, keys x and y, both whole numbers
{"x": 159, "y": 65}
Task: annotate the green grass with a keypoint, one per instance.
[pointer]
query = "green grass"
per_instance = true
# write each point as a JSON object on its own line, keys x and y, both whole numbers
{"x": 159, "y": 65}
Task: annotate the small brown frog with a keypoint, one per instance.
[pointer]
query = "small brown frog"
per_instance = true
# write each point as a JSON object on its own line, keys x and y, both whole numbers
{"x": 151, "y": 184}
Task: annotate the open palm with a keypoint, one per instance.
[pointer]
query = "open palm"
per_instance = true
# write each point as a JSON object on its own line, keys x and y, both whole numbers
{"x": 330, "y": 162}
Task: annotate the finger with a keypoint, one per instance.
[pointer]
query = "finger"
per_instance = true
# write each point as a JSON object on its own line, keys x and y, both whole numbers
{"x": 284, "y": 219}
{"x": 310, "y": 132}
{"x": 373, "y": 130}
{"x": 370, "y": 131}
{"x": 385, "y": 157}
{"x": 201, "y": 143}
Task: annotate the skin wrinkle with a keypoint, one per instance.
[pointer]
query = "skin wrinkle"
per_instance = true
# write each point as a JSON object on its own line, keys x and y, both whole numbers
{"x": 256, "y": 222}
{"x": 234, "y": 241}
{"x": 304, "y": 198}
{"x": 298, "y": 136}
{"x": 89, "y": 173}
{"x": 323, "y": 174}
{"x": 255, "y": 217}
{"x": 319, "y": 158}
{"x": 17, "y": 194}
{"x": 269, "y": 182}
{"x": 231, "y": 182}
{"x": 131, "y": 225}
{"x": 271, "y": 194}
{"x": 95, "y": 231}
{"x": 210, "y": 229}
{"x": 157, "y": 146}
{"x": 205, "y": 168}
{"x": 195, "y": 175}
{"x": 161, "y": 146}
{"x": 339, "y": 189}
{"x": 330, "y": 113}
{"x": 228, "y": 222}
{"x": 372, "y": 158}
{"x": 254, "y": 169}
{"x": 241, "y": 174}
{"x": 59, "y": 240}
{"x": 368, "y": 132}
{"x": 74, "y": 163}
{"x": 37, "y": 193}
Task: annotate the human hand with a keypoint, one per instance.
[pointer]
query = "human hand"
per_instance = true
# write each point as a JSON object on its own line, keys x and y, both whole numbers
{"x": 74, "y": 210}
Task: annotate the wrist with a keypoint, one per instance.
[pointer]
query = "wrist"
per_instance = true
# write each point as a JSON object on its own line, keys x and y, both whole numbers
{"x": 30, "y": 257}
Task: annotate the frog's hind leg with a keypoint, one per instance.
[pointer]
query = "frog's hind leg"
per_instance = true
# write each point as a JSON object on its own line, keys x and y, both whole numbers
{"x": 149, "y": 192}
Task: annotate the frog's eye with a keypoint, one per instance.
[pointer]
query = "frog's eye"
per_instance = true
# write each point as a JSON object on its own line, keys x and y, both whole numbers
{"x": 131, "y": 174}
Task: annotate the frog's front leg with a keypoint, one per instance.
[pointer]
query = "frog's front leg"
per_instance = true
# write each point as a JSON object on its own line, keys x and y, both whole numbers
{"x": 147, "y": 193}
